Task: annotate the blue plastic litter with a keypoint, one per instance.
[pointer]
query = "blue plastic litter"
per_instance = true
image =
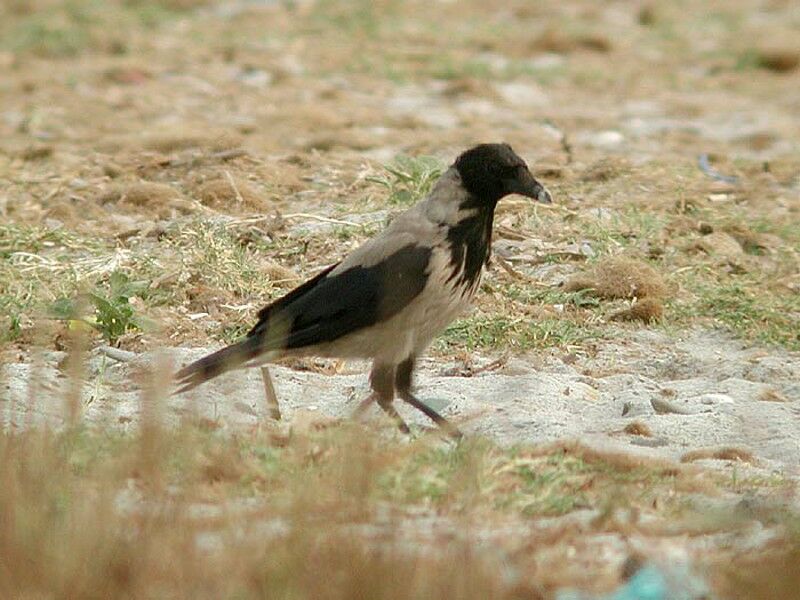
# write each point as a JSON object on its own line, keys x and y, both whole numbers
{"x": 649, "y": 583}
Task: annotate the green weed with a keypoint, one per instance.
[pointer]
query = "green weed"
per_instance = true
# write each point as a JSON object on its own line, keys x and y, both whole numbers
{"x": 409, "y": 178}
{"x": 112, "y": 313}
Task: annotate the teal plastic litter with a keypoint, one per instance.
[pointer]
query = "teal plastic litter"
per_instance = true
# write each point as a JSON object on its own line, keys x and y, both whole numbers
{"x": 650, "y": 583}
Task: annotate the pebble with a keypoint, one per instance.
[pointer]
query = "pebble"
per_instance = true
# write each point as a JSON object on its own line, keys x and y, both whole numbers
{"x": 605, "y": 139}
{"x": 716, "y": 399}
{"x": 548, "y": 60}
{"x": 256, "y": 78}
{"x": 664, "y": 407}
{"x": 522, "y": 94}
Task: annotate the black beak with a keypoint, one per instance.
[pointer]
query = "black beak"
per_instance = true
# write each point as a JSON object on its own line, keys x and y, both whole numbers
{"x": 526, "y": 185}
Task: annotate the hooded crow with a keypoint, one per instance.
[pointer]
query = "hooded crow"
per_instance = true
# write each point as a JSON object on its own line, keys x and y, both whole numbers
{"x": 390, "y": 297}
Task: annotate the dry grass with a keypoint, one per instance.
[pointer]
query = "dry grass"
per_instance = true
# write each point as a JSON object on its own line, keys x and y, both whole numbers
{"x": 620, "y": 277}
{"x": 770, "y": 574}
{"x": 183, "y": 149}
{"x": 148, "y": 134}
{"x": 332, "y": 512}
{"x": 90, "y": 516}
{"x": 726, "y": 453}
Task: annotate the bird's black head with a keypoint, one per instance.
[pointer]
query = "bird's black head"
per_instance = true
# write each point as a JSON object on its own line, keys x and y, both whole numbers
{"x": 491, "y": 171}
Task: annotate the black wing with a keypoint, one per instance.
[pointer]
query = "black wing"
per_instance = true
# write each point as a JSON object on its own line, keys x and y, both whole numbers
{"x": 335, "y": 305}
{"x": 322, "y": 309}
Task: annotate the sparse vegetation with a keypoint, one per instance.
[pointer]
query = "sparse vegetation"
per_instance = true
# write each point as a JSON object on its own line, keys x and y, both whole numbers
{"x": 181, "y": 162}
{"x": 409, "y": 178}
{"x": 259, "y": 507}
{"x": 113, "y": 314}
{"x": 520, "y": 334}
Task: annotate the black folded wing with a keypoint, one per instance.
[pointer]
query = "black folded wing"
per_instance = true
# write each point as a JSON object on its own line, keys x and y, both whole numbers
{"x": 331, "y": 306}
{"x": 321, "y": 310}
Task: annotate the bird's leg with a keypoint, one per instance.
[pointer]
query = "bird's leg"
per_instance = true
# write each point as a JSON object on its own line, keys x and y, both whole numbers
{"x": 364, "y": 405}
{"x": 271, "y": 396}
{"x": 403, "y": 379}
{"x": 382, "y": 381}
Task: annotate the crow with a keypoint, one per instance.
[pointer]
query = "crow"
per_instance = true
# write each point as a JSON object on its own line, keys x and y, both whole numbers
{"x": 389, "y": 298}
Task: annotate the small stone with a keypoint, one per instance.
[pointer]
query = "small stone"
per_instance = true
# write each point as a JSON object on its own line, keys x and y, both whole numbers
{"x": 255, "y": 78}
{"x": 522, "y": 94}
{"x": 716, "y": 399}
{"x": 779, "y": 60}
{"x": 665, "y": 407}
{"x": 547, "y": 60}
{"x": 606, "y": 139}
{"x": 719, "y": 197}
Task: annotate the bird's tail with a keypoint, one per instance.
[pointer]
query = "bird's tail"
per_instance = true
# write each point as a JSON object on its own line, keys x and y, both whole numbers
{"x": 229, "y": 358}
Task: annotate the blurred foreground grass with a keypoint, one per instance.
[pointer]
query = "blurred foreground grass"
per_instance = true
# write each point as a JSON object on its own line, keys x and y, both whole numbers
{"x": 328, "y": 510}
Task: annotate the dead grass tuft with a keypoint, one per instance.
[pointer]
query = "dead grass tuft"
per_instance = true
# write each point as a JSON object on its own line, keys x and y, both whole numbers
{"x": 646, "y": 310}
{"x": 142, "y": 194}
{"x": 622, "y": 461}
{"x": 37, "y": 152}
{"x": 772, "y": 395}
{"x": 228, "y": 193}
{"x": 638, "y": 428}
{"x": 605, "y": 169}
{"x": 727, "y": 453}
{"x": 779, "y": 60}
{"x": 620, "y": 277}
{"x": 762, "y": 575}
{"x": 556, "y": 40}
{"x": 169, "y": 142}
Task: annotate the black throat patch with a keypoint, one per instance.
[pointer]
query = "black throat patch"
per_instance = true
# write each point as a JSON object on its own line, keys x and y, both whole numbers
{"x": 471, "y": 242}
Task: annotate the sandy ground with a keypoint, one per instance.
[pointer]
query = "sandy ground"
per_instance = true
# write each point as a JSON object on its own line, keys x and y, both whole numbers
{"x": 695, "y": 396}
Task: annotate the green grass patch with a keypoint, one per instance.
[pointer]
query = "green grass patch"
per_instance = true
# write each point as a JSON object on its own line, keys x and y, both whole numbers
{"x": 65, "y": 29}
{"x": 497, "y": 332}
{"x": 753, "y": 313}
{"x": 409, "y": 178}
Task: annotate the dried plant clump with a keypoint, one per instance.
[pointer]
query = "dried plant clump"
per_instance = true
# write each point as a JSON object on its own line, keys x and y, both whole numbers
{"x": 620, "y": 277}
{"x": 638, "y": 428}
{"x": 762, "y": 575}
{"x": 169, "y": 142}
{"x": 142, "y": 194}
{"x": 228, "y": 192}
{"x": 605, "y": 169}
{"x": 727, "y": 453}
{"x": 625, "y": 278}
{"x": 556, "y": 40}
{"x": 647, "y": 310}
{"x": 779, "y": 60}
{"x": 772, "y": 395}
